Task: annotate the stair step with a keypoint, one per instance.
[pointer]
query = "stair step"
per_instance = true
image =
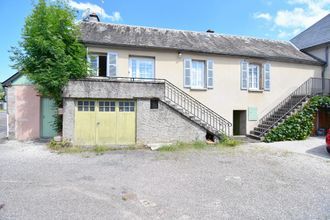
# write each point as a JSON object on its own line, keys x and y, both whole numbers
{"x": 253, "y": 136}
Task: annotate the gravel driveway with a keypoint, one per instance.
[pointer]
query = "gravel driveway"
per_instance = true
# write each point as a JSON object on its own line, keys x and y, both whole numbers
{"x": 243, "y": 183}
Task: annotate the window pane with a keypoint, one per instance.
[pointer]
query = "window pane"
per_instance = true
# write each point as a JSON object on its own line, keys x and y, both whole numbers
{"x": 198, "y": 74}
{"x": 80, "y": 108}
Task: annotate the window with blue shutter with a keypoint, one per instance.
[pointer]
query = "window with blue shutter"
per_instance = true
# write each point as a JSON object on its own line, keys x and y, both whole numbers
{"x": 244, "y": 74}
{"x": 267, "y": 76}
{"x": 187, "y": 73}
{"x": 112, "y": 64}
{"x": 209, "y": 74}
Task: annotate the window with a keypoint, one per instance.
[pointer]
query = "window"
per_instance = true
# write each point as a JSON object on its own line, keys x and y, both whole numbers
{"x": 198, "y": 74}
{"x": 142, "y": 67}
{"x": 86, "y": 106}
{"x": 254, "y": 77}
{"x": 98, "y": 63}
{"x": 107, "y": 106}
{"x": 126, "y": 106}
{"x": 154, "y": 104}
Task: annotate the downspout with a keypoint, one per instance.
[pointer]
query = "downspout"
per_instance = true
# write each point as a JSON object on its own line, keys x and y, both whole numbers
{"x": 324, "y": 68}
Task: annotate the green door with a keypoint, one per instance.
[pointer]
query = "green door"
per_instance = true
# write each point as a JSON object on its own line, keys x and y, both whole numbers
{"x": 48, "y": 111}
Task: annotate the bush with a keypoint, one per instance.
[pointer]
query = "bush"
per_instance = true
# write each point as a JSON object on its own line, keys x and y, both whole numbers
{"x": 300, "y": 125}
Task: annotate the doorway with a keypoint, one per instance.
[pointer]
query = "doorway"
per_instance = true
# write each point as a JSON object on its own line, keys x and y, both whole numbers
{"x": 239, "y": 119}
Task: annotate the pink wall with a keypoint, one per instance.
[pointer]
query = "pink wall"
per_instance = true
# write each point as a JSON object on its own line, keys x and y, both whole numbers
{"x": 27, "y": 113}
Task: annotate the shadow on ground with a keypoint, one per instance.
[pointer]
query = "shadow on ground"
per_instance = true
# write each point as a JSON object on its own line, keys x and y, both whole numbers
{"x": 319, "y": 151}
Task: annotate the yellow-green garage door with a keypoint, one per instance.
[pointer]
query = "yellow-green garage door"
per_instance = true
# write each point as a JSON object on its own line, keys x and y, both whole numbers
{"x": 102, "y": 122}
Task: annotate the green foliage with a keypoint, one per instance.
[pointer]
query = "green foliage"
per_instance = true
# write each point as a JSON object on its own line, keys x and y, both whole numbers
{"x": 2, "y": 94}
{"x": 229, "y": 142}
{"x": 199, "y": 145}
{"x": 300, "y": 125}
{"x": 50, "y": 53}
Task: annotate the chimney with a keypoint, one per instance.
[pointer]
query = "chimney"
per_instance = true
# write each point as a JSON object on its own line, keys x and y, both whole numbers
{"x": 210, "y": 31}
{"x": 93, "y": 18}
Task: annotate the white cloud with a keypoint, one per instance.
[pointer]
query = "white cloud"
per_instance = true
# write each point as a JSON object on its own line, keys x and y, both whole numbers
{"x": 93, "y": 8}
{"x": 288, "y": 23}
{"x": 265, "y": 16}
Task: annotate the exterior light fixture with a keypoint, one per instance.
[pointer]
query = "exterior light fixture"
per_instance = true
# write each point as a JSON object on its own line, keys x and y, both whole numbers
{"x": 180, "y": 54}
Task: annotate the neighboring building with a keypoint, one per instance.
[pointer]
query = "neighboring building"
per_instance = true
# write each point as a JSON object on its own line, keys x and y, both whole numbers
{"x": 29, "y": 116}
{"x": 315, "y": 41}
{"x": 153, "y": 85}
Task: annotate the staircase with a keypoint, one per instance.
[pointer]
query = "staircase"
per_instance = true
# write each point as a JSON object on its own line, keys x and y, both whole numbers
{"x": 295, "y": 101}
{"x": 195, "y": 110}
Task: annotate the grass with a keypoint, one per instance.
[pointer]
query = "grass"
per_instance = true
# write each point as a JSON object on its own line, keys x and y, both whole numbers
{"x": 67, "y": 148}
{"x": 198, "y": 145}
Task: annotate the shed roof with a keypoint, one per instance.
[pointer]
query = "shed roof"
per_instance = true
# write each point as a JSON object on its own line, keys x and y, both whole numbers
{"x": 202, "y": 42}
{"x": 317, "y": 34}
{"x": 11, "y": 79}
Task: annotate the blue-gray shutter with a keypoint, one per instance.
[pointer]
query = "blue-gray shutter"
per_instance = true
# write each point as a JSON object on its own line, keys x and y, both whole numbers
{"x": 112, "y": 64}
{"x": 210, "y": 71}
{"x": 244, "y": 75}
{"x": 187, "y": 73}
{"x": 266, "y": 68}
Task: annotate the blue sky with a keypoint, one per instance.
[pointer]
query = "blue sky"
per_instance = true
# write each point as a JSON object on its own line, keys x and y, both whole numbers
{"x": 272, "y": 19}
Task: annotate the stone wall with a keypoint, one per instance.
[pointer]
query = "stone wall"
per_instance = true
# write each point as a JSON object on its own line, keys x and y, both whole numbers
{"x": 164, "y": 125}
{"x": 68, "y": 119}
{"x": 97, "y": 88}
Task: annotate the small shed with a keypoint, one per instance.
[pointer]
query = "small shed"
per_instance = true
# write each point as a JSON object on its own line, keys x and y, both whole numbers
{"x": 29, "y": 116}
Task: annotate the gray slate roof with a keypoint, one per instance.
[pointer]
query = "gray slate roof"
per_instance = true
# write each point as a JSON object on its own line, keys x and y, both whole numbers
{"x": 145, "y": 37}
{"x": 317, "y": 34}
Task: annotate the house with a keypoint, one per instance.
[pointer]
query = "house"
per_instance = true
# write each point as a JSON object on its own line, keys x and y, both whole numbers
{"x": 29, "y": 116}
{"x": 221, "y": 83}
{"x": 154, "y": 85}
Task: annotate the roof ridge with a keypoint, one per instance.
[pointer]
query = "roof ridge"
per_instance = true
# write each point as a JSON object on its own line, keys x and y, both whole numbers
{"x": 195, "y": 32}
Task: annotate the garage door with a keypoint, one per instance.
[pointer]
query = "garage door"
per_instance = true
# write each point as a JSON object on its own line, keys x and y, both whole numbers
{"x": 101, "y": 122}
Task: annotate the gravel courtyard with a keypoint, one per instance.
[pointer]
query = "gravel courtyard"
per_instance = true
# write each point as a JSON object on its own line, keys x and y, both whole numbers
{"x": 247, "y": 182}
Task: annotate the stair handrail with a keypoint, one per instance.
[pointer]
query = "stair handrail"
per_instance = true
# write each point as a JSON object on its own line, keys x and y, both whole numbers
{"x": 215, "y": 121}
{"x": 306, "y": 89}
{"x": 223, "y": 122}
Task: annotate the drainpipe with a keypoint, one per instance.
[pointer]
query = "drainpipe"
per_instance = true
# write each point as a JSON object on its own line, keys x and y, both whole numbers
{"x": 324, "y": 68}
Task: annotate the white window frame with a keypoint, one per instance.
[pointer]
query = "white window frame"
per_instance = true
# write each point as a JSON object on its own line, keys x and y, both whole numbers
{"x": 138, "y": 61}
{"x": 194, "y": 75}
{"x": 251, "y": 79}
{"x": 97, "y": 62}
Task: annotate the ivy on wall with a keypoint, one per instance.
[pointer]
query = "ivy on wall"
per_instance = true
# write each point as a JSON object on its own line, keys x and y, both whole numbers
{"x": 300, "y": 125}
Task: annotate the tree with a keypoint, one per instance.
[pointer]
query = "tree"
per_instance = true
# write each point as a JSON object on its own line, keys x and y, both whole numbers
{"x": 2, "y": 93}
{"x": 49, "y": 52}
